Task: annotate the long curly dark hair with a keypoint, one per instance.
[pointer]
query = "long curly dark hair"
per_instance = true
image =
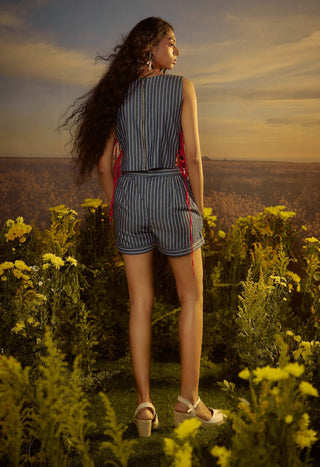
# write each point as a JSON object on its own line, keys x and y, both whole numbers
{"x": 93, "y": 116}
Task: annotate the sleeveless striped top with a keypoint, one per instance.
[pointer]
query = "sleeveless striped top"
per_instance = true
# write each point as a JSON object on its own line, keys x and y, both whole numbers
{"x": 149, "y": 123}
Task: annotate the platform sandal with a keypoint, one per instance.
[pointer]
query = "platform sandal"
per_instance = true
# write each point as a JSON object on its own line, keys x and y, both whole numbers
{"x": 217, "y": 417}
{"x": 144, "y": 427}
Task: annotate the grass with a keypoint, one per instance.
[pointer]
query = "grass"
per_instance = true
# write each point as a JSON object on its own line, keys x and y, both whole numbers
{"x": 119, "y": 386}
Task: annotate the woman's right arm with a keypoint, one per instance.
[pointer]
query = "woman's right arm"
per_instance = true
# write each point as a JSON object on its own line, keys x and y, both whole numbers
{"x": 104, "y": 168}
{"x": 189, "y": 122}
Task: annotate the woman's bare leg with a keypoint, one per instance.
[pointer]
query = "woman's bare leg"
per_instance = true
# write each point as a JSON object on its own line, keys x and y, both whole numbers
{"x": 139, "y": 274}
{"x": 190, "y": 292}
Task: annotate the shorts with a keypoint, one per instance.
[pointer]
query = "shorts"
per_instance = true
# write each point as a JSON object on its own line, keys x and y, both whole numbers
{"x": 150, "y": 208}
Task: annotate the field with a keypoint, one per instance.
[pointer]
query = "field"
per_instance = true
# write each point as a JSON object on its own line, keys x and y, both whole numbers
{"x": 65, "y": 368}
{"x": 29, "y": 186}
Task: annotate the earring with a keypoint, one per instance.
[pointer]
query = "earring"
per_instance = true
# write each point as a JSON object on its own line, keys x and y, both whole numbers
{"x": 149, "y": 62}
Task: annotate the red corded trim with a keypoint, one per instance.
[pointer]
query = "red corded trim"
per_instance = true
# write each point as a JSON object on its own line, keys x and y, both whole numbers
{"x": 181, "y": 163}
{"x": 118, "y": 154}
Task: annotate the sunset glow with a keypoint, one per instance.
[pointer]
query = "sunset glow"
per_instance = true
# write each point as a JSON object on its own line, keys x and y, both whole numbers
{"x": 255, "y": 65}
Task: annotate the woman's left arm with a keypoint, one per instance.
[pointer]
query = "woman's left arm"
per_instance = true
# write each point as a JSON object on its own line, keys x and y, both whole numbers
{"x": 104, "y": 167}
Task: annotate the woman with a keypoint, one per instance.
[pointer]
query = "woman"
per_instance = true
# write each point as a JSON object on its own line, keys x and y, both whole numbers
{"x": 138, "y": 106}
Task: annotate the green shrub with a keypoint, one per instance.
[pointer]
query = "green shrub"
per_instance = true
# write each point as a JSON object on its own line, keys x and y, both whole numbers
{"x": 273, "y": 427}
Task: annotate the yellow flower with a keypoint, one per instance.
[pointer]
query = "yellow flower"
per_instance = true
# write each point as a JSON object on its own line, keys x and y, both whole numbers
{"x": 19, "y": 326}
{"x": 18, "y": 230}
{"x": 6, "y": 265}
{"x": 306, "y": 438}
{"x": 221, "y": 234}
{"x": 311, "y": 240}
{"x": 223, "y": 455}
{"x": 71, "y": 260}
{"x": 294, "y": 369}
{"x": 286, "y": 215}
{"x": 18, "y": 274}
{"x": 56, "y": 261}
{"x": 21, "y": 265}
{"x": 183, "y": 457}
{"x": 289, "y": 333}
{"x": 93, "y": 203}
{"x": 270, "y": 374}
{"x": 9, "y": 223}
{"x": 207, "y": 215}
{"x": 274, "y": 210}
{"x": 207, "y": 212}
{"x": 187, "y": 428}
{"x": 244, "y": 374}
{"x": 307, "y": 389}
{"x": 169, "y": 446}
{"x": 289, "y": 419}
{"x": 41, "y": 297}
{"x": 45, "y": 266}
{"x": 3, "y": 278}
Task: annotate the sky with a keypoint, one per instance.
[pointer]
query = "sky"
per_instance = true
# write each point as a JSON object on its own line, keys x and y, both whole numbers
{"x": 255, "y": 65}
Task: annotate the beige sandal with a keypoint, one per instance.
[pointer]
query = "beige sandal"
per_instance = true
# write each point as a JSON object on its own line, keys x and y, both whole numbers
{"x": 145, "y": 426}
{"x": 217, "y": 418}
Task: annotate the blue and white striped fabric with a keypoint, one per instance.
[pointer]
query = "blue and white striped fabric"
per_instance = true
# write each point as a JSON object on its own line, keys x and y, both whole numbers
{"x": 149, "y": 123}
{"x": 149, "y": 205}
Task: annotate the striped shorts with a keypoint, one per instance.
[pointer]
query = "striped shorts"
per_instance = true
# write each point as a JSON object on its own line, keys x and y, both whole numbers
{"x": 150, "y": 208}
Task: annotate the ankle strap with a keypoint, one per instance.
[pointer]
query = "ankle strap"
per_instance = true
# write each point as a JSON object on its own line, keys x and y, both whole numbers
{"x": 145, "y": 405}
{"x": 188, "y": 404}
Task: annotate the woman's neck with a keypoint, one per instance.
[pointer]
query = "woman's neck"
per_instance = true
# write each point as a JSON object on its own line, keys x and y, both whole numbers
{"x": 145, "y": 73}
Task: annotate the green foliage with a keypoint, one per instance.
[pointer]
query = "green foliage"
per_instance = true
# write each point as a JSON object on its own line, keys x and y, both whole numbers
{"x": 310, "y": 283}
{"x": 120, "y": 448}
{"x": 60, "y": 409}
{"x": 41, "y": 419}
{"x": 15, "y": 410}
{"x": 274, "y": 421}
{"x": 71, "y": 280}
{"x": 258, "y": 321}
{"x": 165, "y": 326}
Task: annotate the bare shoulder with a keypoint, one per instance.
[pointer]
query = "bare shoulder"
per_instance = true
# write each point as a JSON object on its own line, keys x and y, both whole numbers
{"x": 188, "y": 88}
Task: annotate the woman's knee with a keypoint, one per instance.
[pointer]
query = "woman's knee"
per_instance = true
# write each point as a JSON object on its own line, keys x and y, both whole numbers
{"x": 141, "y": 301}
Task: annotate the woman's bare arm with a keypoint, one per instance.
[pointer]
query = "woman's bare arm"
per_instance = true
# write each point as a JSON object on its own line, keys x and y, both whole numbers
{"x": 105, "y": 168}
{"x": 189, "y": 121}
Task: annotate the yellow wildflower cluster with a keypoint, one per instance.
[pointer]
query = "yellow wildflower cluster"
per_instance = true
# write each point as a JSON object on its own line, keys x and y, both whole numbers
{"x": 224, "y": 456}
{"x": 93, "y": 204}
{"x": 273, "y": 374}
{"x": 305, "y": 349}
{"x": 307, "y": 389}
{"x": 305, "y": 437}
{"x": 181, "y": 451}
{"x": 56, "y": 261}
{"x": 20, "y": 326}
{"x": 210, "y": 219}
{"x": 296, "y": 279}
{"x": 311, "y": 240}
{"x": 285, "y": 283}
{"x": 17, "y": 230}
{"x": 62, "y": 210}
{"x": 18, "y": 269}
{"x": 279, "y": 211}
{"x": 72, "y": 260}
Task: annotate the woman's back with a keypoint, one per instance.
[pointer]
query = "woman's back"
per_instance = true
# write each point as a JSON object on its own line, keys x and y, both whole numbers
{"x": 149, "y": 123}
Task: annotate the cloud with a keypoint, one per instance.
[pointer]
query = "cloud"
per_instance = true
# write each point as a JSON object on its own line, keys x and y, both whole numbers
{"x": 300, "y": 120}
{"x": 12, "y": 20}
{"x": 257, "y": 63}
{"x": 42, "y": 60}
